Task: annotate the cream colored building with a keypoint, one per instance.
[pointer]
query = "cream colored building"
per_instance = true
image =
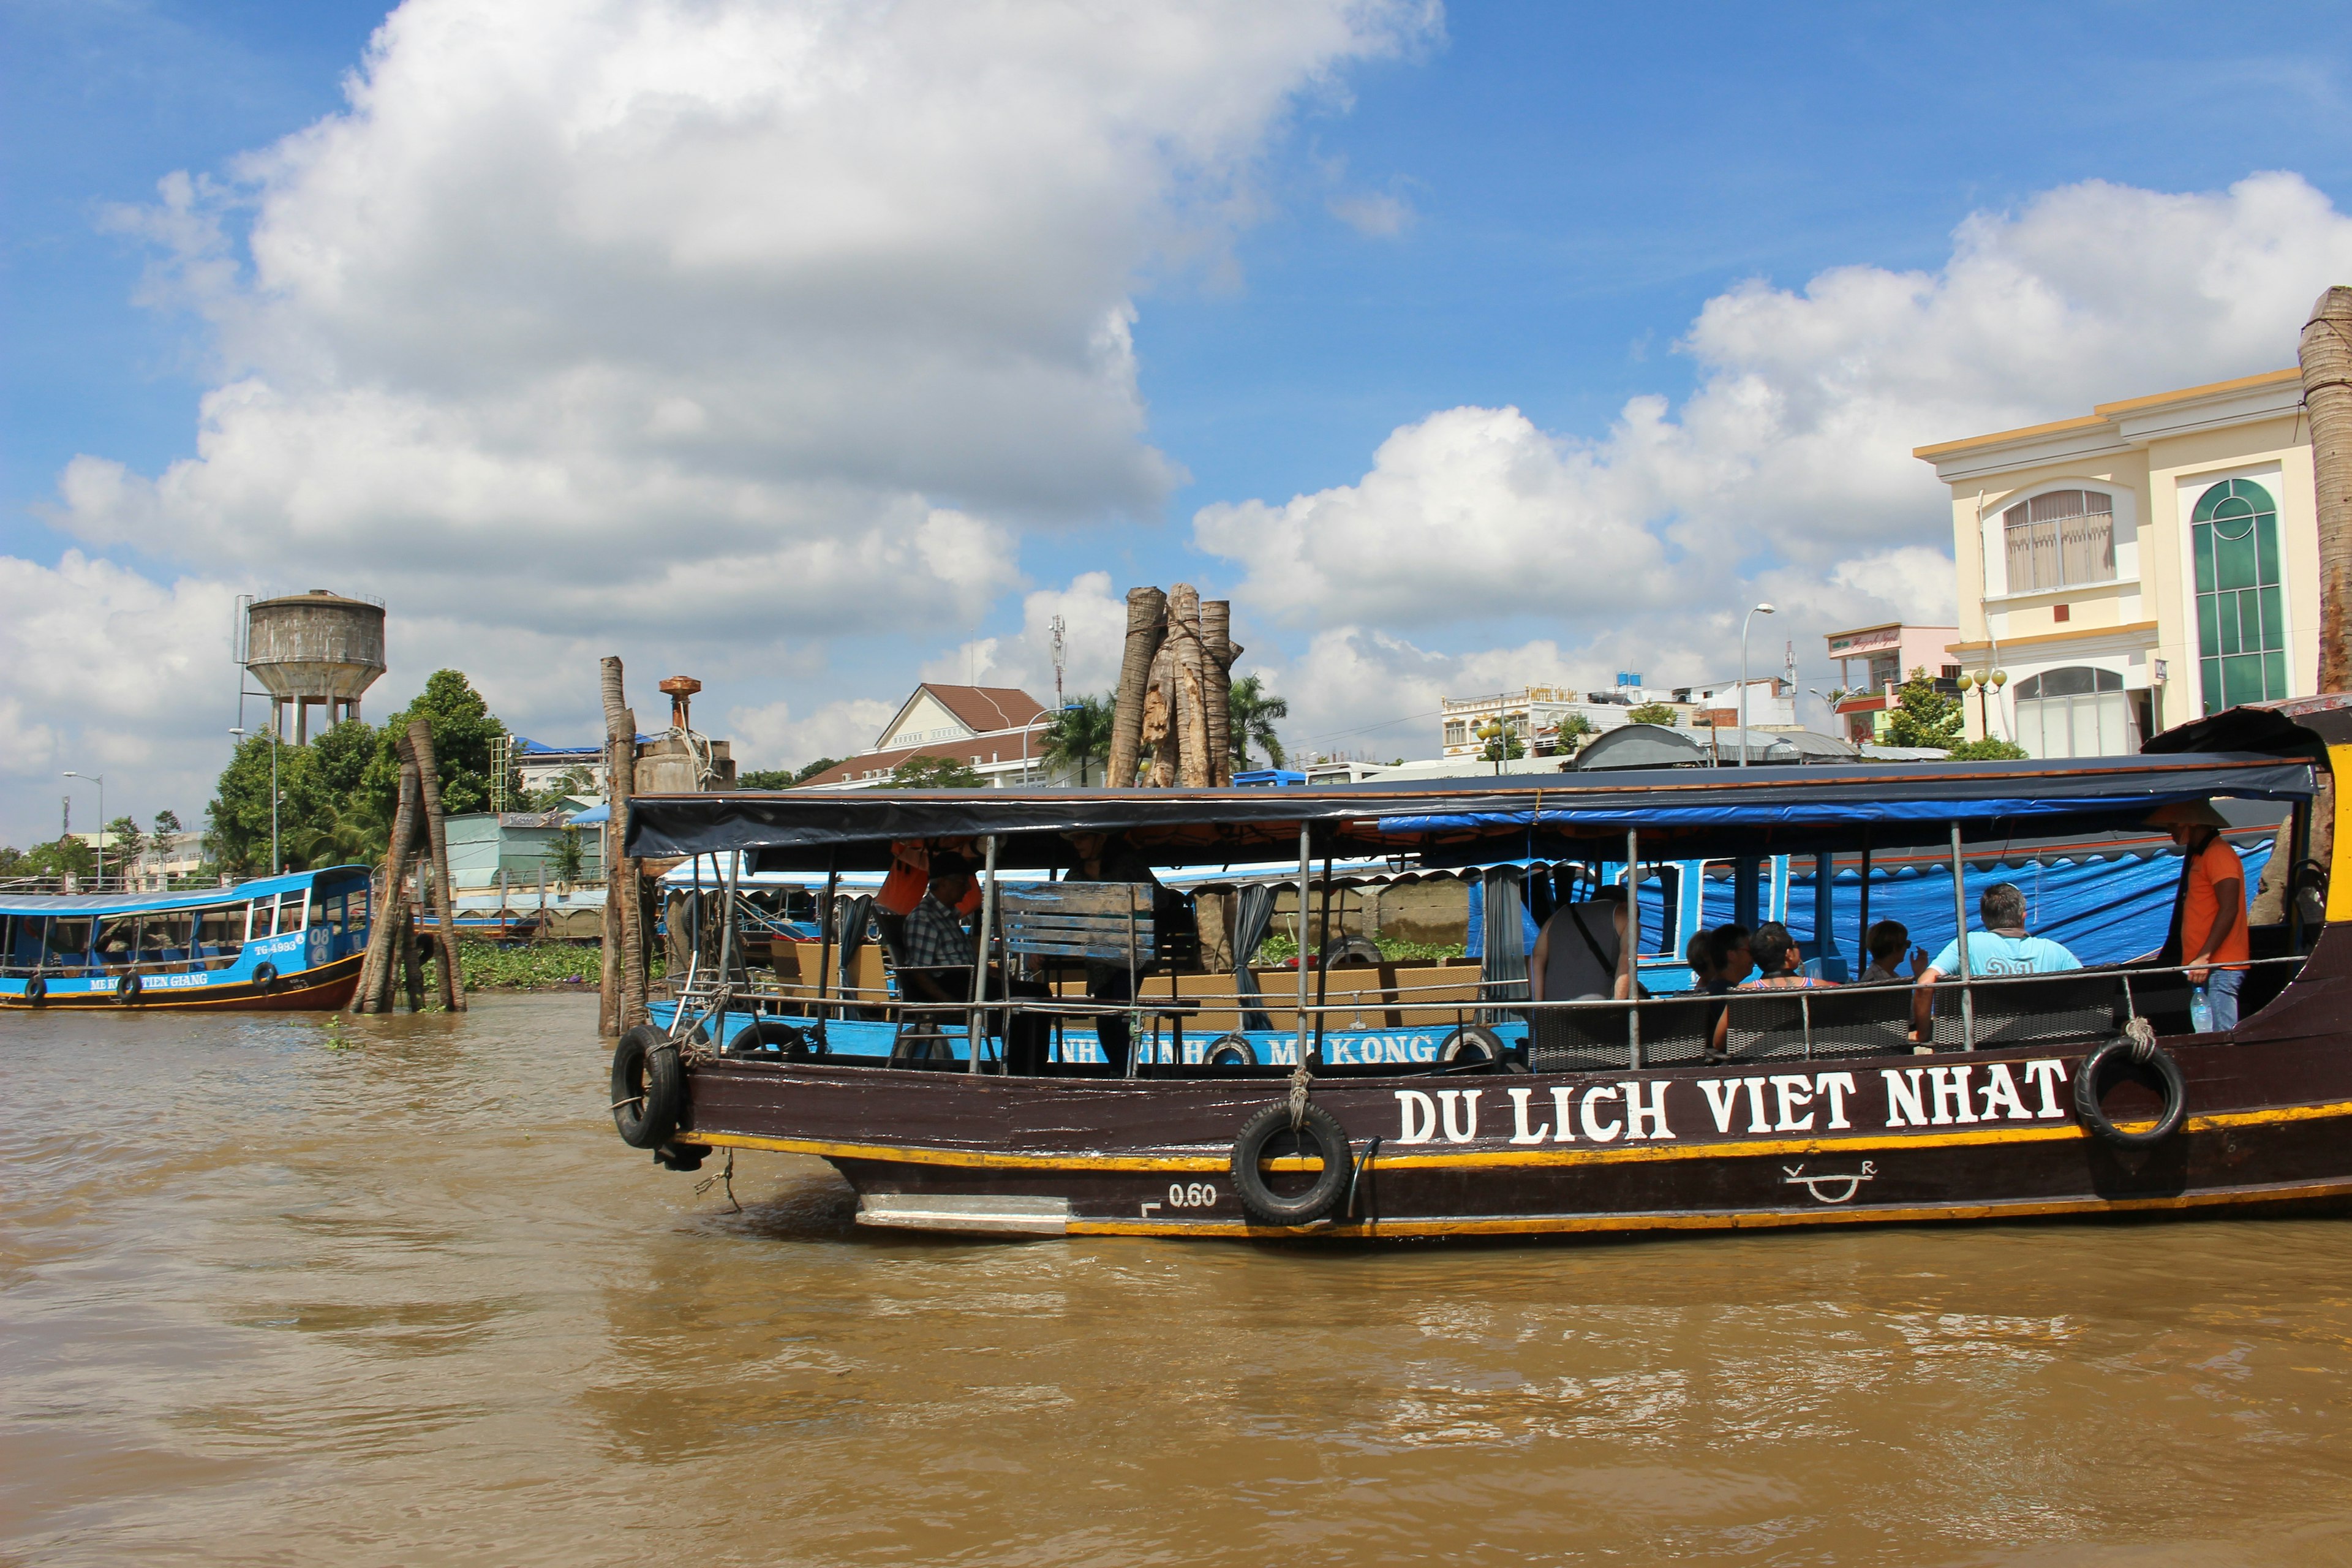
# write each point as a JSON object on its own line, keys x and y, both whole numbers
{"x": 2128, "y": 571}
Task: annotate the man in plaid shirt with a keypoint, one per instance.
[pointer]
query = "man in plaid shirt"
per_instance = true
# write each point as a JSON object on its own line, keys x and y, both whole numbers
{"x": 936, "y": 941}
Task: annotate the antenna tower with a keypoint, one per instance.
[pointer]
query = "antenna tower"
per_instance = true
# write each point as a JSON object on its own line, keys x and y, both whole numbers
{"x": 1060, "y": 658}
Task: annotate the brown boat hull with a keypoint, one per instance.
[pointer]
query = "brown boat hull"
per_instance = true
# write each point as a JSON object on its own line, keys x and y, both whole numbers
{"x": 1734, "y": 1145}
{"x": 321, "y": 990}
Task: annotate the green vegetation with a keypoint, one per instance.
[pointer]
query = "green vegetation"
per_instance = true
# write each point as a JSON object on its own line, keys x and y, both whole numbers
{"x": 1659, "y": 713}
{"x": 925, "y": 772}
{"x": 1573, "y": 731}
{"x": 1988, "y": 751}
{"x": 1924, "y": 716}
{"x": 1283, "y": 949}
{"x": 1250, "y": 712}
{"x": 1080, "y": 732}
{"x": 62, "y": 857}
{"x": 784, "y": 778}
{"x": 337, "y": 794}
{"x": 533, "y": 966}
{"x": 1503, "y": 745}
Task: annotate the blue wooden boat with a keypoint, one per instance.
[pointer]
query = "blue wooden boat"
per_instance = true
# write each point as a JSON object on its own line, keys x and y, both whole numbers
{"x": 290, "y": 942}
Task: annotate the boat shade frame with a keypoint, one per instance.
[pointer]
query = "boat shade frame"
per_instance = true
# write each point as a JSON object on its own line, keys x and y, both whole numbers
{"x": 1682, "y": 813}
{"x": 192, "y": 898}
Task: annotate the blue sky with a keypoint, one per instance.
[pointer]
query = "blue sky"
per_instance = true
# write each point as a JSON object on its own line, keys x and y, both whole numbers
{"x": 1509, "y": 207}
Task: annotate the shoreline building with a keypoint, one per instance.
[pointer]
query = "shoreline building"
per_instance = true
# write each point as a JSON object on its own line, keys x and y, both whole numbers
{"x": 2139, "y": 566}
{"x": 996, "y": 730}
{"x": 1885, "y": 655}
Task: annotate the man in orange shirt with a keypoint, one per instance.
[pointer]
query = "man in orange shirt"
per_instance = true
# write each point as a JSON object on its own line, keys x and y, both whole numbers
{"x": 2213, "y": 907}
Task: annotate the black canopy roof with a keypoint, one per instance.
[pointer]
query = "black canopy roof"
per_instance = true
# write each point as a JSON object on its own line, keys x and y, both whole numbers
{"x": 1680, "y": 813}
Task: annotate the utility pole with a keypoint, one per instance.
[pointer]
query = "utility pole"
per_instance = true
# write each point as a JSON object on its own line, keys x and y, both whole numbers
{"x": 1058, "y": 627}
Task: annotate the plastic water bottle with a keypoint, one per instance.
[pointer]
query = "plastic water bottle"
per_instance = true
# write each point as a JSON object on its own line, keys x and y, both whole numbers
{"x": 2200, "y": 1011}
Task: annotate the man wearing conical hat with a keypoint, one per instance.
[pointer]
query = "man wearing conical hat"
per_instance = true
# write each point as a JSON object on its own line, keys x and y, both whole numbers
{"x": 2213, "y": 947}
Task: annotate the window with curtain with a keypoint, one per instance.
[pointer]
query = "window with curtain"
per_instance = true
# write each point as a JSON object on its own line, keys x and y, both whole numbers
{"x": 2241, "y": 610}
{"x": 2077, "y": 711}
{"x": 2061, "y": 539}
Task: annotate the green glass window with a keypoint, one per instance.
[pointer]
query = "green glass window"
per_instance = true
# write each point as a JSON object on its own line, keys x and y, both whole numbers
{"x": 2240, "y": 612}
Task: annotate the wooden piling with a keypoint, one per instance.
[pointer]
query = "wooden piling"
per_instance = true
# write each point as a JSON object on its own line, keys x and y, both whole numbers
{"x": 373, "y": 993}
{"x": 626, "y": 961}
{"x": 445, "y": 909}
{"x": 1217, "y": 644}
{"x": 1147, "y": 622}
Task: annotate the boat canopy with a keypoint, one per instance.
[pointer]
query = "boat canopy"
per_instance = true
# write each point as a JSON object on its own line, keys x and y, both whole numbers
{"x": 1681, "y": 814}
{"x": 139, "y": 903}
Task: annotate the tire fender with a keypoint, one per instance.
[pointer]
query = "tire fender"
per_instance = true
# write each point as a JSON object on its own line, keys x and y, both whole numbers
{"x": 1475, "y": 1042}
{"x": 648, "y": 1087}
{"x": 1231, "y": 1051}
{"x": 127, "y": 990}
{"x": 755, "y": 1037}
{"x": 2144, "y": 1053}
{"x": 265, "y": 977}
{"x": 37, "y": 990}
{"x": 1269, "y": 1132}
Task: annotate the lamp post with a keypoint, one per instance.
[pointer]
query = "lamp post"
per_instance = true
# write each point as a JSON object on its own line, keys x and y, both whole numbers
{"x": 99, "y": 780}
{"x": 1760, "y": 609}
{"x": 239, "y": 734}
{"x": 1986, "y": 681}
{"x": 1492, "y": 731}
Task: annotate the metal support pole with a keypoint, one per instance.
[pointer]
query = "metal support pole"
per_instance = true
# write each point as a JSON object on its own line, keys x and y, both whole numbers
{"x": 1960, "y": 910}
{"x": 1862, "y": 928}
{"x": 1322, "y": 970}
{"x": 1629, "y": 959}
{"x": 1824, "y": 927}
{"x": 976, "y": 1025}
{"x": 826, "y": 915}
{"x": 1305, "y": 871}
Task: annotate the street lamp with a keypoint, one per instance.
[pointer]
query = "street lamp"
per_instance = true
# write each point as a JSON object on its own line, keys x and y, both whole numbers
{"x": 238, "y": 731}
{"x": 1985, "y": 682}
{"x": 99, "y": 780}
{"x": 1760, "y": 609}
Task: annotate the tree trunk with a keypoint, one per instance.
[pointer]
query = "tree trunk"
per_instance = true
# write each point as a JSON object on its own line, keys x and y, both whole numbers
{"x": 412, "y": 968}
{"x": 1217, "y": 644}
{"x": 2326, "y": 356}
{"x": 620, "y": 771}
{"x": 1147, "y": 621}
{"x": 1188, "y": 693}
{"x": 445, "y": 905}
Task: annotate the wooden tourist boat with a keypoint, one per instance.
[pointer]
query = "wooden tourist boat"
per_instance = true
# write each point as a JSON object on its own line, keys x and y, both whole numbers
{"x": 2080, "y": 1093}
{"x": 291, "y": 943}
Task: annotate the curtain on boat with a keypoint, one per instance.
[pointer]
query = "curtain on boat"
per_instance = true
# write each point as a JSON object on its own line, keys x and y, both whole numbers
{"x": 1253, "y": 916}
{"x": 1503, "y": 964}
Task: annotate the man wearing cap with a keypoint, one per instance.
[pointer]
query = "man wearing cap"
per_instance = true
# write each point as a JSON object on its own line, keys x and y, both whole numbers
{"x": 2213, "y": 947}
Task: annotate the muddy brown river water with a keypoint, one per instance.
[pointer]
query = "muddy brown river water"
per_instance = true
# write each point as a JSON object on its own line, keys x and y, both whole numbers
{"x": 273, "y": 1290}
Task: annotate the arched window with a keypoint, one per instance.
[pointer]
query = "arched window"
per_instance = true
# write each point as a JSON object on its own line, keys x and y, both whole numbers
{"x": 2060, "y": 539}
{"x": 2077, "y": 711}
{"x": 2241, "y": 614}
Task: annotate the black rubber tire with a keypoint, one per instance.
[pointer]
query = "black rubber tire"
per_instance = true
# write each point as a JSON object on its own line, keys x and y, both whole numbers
{"x": 681, "y": 1156}
{"x": 648, "y": 1087}
{"x": 1231, "y": 1051}
{"x": 1271, "y": 1127}
{"x": 37, "y": 990}
{"x": 127, "y": 991}
{"x": 755, "y": 1038}
{"x": 2088, "y": 1091}
{"x": 1350, "y": 950}
{"x": 265, "y": 978}
{"x": 1473, "y": 1042}
{"x": 921, "y": 1046}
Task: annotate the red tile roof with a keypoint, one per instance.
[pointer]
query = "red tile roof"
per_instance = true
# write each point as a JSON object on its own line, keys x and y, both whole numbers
{"x": 986, "y": 708}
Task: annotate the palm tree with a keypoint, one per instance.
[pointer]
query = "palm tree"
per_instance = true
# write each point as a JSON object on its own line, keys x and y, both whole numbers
{"x": 1254, "y": 710}
{"x": 1080, "y": 732}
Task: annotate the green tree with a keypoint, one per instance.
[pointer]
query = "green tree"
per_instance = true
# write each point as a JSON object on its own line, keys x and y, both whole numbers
{"x": 1661, "y": 713}
{"x": 1924, "y": 716}
{"x": 1250, "y": 711}
{"x": 1080, "y": 732}
{"x": 466, "y": 734}
{"x": 1504, "y": 746}
{"x": 1989, "y": 751}
{"x": 62, "y": 857}
{"x": 167, "y": 823}
{"x": 924, "y": 771}
{"x": 568, "y": 857}
{"x": 237, "y": 828}
{"x": 124, "y": 842}
{"x": 765, "y": 778}
{"x": 810, "y": 770}
{"x": 1574, "y": 730}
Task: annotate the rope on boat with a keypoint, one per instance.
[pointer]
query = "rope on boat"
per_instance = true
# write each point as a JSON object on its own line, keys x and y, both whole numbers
{"x": 2142, "y": 1036}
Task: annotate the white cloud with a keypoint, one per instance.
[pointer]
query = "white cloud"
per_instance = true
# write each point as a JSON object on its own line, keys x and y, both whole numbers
{"x": 768, "y": 736}
{"x": 1788, "y": 472}
{"x": 705, "y": 325}
{"x": 1373, "y": 214}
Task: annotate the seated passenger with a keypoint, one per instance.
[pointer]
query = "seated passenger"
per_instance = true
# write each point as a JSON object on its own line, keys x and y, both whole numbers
{"x": 1705, "y": 961}
{"x": 1886, "y": 942}
{"x": 2002, "y": 948}
{"x": 1578, "y": 953}
{"x": 1733, "y": 959}
{"x": 936, "y": 962}
{"x": 1775, "y": 952}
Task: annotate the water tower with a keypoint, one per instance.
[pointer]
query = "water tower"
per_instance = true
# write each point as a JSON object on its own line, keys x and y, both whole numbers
{"x": 317, "y": 646}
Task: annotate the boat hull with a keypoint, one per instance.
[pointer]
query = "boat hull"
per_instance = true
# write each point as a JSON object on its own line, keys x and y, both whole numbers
{"x": 324, "y": 989}
{"x": 1981, "y": 1135}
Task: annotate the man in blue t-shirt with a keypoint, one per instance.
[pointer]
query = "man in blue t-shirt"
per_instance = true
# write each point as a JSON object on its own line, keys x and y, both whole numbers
{"x": 2002, "y": 948}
